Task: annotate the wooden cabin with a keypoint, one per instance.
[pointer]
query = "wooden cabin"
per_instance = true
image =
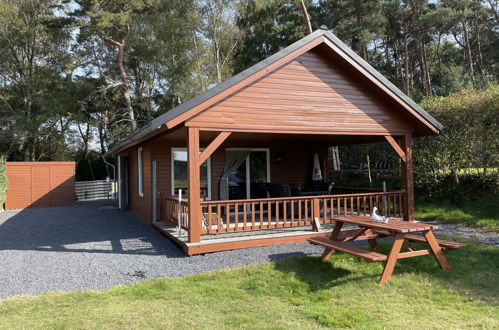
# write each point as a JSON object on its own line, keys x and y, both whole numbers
{"x": 242, "y": 152}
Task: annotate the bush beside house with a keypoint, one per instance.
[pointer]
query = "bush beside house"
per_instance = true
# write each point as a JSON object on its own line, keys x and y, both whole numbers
{"x": 3, "y": 183}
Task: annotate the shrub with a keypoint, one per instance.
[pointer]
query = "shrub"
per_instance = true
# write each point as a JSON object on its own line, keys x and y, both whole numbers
{"x": 470, "y": 140}
{"x": 3, "y": 182}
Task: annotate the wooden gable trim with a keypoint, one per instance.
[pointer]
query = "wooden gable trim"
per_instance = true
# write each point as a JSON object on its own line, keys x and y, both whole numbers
{"x": 379, "y": 84}
{"x": 234, "y": 88}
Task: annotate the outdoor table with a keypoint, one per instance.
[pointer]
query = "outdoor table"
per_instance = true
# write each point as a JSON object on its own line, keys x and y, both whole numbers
{"x": 371, "y": 231}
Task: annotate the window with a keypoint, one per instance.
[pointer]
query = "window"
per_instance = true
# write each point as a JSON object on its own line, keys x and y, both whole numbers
{"x": 179, "y": 174}
{"x": 140, "y": 172}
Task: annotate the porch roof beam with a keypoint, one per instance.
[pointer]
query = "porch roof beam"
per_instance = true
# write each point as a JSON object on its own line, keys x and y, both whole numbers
{"x": 396, "y": 147}
{"x": 203, "y": 156}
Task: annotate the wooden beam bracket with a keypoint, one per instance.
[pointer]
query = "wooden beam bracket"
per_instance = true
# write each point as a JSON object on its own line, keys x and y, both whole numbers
{"x": 396, "y": 147}
{"x": 203, "y": 156}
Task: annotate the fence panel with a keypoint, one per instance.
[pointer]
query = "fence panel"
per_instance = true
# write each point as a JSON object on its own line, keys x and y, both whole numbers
{"x": 97, "y": 189}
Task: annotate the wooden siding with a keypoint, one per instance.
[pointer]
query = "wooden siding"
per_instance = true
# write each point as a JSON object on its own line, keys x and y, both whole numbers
{"x": 140, "y": 205}
{"x": 309, "y": 94}
{"x": 40, "y": 184}
{"x": 295, "y": 168}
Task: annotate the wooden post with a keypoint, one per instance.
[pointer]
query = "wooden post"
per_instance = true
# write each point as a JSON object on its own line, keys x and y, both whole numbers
{"x": 407, "y": 177}
{"x": 316, "y": 213}
{"x": 194, "y": 179}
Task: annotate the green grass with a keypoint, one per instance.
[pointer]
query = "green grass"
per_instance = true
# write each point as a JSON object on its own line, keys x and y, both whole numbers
{"x": 481, "y": 211}
{"x": 300, "y": 293}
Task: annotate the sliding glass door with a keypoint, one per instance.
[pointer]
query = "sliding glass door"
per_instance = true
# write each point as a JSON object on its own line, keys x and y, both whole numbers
{"x": 249, "y": 179}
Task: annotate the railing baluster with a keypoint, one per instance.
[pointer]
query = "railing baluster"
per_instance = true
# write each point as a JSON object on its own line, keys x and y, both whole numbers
{"x": 306, "y": 210}
{"x": 324, "y": 209}
{"x": 245, "y": 215}
{"x": 299, "y": 213}
{"x": 236, "y": 216}
{"x": 252, "y": 215}
{"x": 345, "y": 202}
{"x": 285, "y": 213}
{"x": 210, "y": 221}
{"x": 261, "y": 215}
{"x": 269, "y": 214}
{"x": 219, "y": 219}
{"x": 358, "y": 205}
{"x": 227, "y": 217}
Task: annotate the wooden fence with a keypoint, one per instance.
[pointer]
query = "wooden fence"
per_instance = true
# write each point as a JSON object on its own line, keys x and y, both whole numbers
{"x": 40, "y": 184}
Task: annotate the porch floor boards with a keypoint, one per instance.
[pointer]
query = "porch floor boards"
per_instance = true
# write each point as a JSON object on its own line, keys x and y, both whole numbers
{"x": 242, "y": 239}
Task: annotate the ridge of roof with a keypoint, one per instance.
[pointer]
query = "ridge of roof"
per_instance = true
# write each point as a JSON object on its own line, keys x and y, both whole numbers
{"x": 156, "y": 123}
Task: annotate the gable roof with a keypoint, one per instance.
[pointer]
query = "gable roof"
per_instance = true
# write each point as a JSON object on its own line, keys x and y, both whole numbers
{"x": 173, "y": 117}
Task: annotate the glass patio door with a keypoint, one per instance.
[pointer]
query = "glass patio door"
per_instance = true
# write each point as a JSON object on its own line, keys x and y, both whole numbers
{"x": 248, "y": 180}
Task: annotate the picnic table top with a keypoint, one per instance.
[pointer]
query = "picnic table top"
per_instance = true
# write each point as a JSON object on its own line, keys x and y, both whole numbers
{"x": 398, "y": 226}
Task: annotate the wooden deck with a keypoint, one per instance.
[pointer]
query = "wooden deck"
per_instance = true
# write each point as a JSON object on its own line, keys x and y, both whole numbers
{"x": 240, "y": 239}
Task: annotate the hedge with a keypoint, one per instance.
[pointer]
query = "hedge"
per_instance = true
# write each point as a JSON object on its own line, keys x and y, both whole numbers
{"x": 3, "y": 182}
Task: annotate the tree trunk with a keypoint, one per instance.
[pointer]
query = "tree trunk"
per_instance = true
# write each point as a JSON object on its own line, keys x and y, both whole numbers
{"x": 120, "y": 59}
{"x": 217, "y": 62}
{"x": 468, "y": 52}
{"x": 406, "y": 59}
{"x": 427, "y": 69}
{"x": 478, "y": 44}
{"x": 306, "y": 18}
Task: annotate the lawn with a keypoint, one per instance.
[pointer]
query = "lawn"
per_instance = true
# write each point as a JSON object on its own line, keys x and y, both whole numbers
{"x": 481, "y": 211}
{"x": 299, "y": 292}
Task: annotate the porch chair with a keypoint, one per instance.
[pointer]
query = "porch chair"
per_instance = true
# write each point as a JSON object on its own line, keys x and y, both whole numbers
{"x": 214, "y": 220}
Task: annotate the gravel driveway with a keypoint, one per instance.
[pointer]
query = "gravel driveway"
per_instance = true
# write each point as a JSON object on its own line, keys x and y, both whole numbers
{"x": 89, "y": 246}
{"x": 93, "y": 246}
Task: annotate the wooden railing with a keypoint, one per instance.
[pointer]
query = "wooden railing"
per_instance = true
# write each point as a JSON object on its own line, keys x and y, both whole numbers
{"x": 255, "y": 214}
{"x": 169, "y": 211}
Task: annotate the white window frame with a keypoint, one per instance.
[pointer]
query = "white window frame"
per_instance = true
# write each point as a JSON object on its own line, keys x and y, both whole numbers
{"x": 140, "y": 171}
{"x": 267, "y": 150}
{"x": 172, "y": 167}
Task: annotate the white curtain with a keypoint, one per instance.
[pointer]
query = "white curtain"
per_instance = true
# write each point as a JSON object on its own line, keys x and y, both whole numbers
{"x": 317, "y": 174}
{"x": 233, "y": 159}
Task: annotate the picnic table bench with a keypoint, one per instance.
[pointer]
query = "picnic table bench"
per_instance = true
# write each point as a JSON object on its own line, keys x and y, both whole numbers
{"x": 401, "y": 231}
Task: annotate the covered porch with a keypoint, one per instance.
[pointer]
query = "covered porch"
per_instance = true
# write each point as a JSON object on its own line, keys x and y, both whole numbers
{"x": 199, "y": 226}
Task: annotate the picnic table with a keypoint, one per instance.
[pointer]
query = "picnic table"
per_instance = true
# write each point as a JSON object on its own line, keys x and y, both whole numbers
{"x": 369, "y": 230}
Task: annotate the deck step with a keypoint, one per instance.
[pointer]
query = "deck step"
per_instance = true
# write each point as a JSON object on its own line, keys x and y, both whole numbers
{"x": 448, "y": 245}
{"x": 367, "y": 255}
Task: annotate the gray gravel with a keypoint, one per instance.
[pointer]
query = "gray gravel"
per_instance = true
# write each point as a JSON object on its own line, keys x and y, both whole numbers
{"x": 90, "y": 246}
{"x": 477, "y": 235}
